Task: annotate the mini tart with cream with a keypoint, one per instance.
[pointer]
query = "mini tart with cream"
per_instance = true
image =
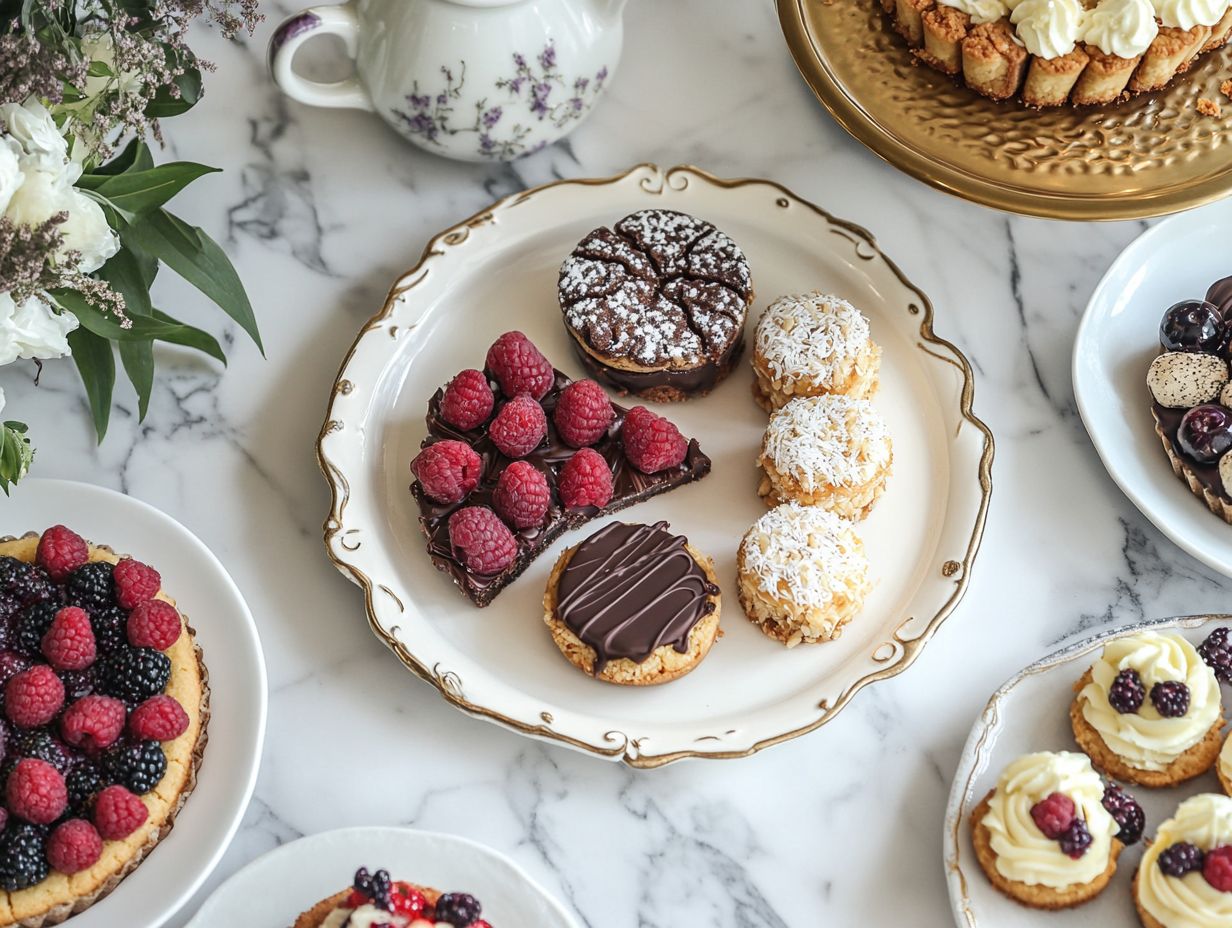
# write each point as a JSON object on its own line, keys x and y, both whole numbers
{"x": 813, "y": 343}
{"x": 376, "y": 901}
{"x": 633, "y": 605}
{"x": 1223, "y": 766}
{"x": 1148, "y": 710}
{"x": 1190, "y": 387}
{"x": 1044, "y": 836}
{"x": 1184, "y": 879}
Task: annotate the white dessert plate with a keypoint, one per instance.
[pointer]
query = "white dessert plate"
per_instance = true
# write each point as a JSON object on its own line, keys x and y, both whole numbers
{"x": 1173, "y": 261}
{"x": 274, "y": 889}
{"x": 1031, "y": 713}
{"x": 228, "y": 637}
{"x": 498, "y": 271}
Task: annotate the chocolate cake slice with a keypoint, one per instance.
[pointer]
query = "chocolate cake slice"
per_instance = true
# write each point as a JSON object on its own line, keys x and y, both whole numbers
{"x": 629, "y": 486}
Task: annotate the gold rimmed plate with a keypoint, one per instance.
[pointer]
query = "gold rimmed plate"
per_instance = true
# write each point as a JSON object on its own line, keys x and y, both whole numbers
{"x": 1152, "y": 155}
{"x": 498, "y": 271}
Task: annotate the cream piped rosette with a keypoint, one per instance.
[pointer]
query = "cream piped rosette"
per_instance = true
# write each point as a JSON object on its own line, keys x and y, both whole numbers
{"x": 1224, "y": 767}
{"x": 1145, "y": 739}
{"x": 1049, "y": 28}
{"x": 1188, "y": 901}
{"x": 1024, "y": 853}
{"x": 982, "y": 11}
{"x": 1185, "y": 14}
{"x": 1125, "y": 28}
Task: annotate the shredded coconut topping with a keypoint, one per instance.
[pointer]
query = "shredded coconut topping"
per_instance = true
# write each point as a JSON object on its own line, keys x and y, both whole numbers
{"x": 813, "y": 335}
{"x": 828, "y": 439}
{"x": 804, "y": 554}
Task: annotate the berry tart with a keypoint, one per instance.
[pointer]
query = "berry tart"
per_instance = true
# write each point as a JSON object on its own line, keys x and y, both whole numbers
{"x": 802, "y": 574}
{"x": 518, "y": 453}
{"x": 1191, "y": 395}
{"x": 809, "y": 344}
{"x": 656, "y": 304}
{"x": 831, "y": 451}
{"x": 105, "y": 706}
{"x": 633, "y": 604}
{"x": 376, "y": 901}
{"x": 1184, "y": 879}
{"x": 1048, "y": 836}
{"x": 1148, "y": 710}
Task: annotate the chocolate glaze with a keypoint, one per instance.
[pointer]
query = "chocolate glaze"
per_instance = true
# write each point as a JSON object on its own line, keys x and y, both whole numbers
{"x": 629, "y": 589}
{"x": 629, "y": 486}
{"x": 1207, "y": 474}
{"x": 696, "y": 381}
{"x": 1220, "y": 294}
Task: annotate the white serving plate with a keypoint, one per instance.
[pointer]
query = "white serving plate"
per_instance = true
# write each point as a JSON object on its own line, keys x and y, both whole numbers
{"x": 274, "y": 889}
{"x": 1031, "y": 713}
{"x": 1173, "y": 261}
{"x": 498, "y": 271}
{"x": 228, "y": 637}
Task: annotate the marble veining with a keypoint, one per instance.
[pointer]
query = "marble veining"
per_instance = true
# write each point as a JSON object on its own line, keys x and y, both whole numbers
{"x": 322, "y": 209}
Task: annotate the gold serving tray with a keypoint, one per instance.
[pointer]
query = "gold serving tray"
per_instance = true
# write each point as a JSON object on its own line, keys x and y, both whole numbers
{"x": 1152, "y": 155}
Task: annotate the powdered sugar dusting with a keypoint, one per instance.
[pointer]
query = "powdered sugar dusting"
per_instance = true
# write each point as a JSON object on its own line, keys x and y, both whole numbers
{"x": 811, "y": 335}
{"x": 829, "y": 439}
{"x": 805, "y": 555}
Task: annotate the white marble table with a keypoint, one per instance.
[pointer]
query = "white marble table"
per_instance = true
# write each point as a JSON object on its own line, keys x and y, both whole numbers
{"x": 321, "y": 210}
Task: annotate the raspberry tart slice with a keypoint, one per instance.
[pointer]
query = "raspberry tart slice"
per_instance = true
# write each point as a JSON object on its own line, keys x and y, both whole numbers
{"x": 106, "y": 702}
{"x": 375, "y": 899}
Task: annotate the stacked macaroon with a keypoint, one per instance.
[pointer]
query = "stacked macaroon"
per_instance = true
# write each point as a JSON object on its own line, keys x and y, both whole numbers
{"x": 825, "y": 458}
{"x": 1049, "y": 52}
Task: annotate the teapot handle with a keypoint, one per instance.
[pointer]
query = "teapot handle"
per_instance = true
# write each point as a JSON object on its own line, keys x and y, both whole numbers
{"x": 341, "y": 21}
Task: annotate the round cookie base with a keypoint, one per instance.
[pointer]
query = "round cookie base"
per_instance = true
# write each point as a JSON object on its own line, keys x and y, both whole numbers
{"x": 854, "y": 503}
{"x": 663, "y": 665}
{"x": 315, "y": 917}
{"x": 861, "y": 382}
{"x": 695, "y": 379}
{"x": 1148, "y": 920}
{"x": 1214, "y": 502}
{"x": 1224, "y": 780}
{"x": 1034, "y": 896}
{"x": 1193, "y": 763}
{"x": 101, "y": 879}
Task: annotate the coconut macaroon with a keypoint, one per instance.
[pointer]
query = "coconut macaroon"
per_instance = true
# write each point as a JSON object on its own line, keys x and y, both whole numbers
{"x": 1179, "y": 379}
{"x": 1178, "y": 884}
{"x": 802, "y": 574}
{"x": 831, "y": 451}
{"x": 809, "y": 344}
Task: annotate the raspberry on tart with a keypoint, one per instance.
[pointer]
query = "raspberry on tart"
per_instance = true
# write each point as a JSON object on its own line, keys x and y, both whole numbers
{"x": 376, "y": 899}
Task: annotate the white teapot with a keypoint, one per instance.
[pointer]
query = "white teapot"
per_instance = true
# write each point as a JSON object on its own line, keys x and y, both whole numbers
{"x": 476, "y": 80}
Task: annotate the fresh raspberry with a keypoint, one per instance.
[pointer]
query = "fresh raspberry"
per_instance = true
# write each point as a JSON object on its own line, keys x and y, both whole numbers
{"x": 61, "y": 551}
{"x": 480, "y": 923}
{"x": 33, "y": 697}
{"x": 583, "y": 414}
{"x": 1218, "y": 868}
{"x": 522, "y": 496}
{"x": 468, "y": 400}
{"x": 118, "y": 813}
{"x": 4, "y": 817}
{"x": 519, "y": 427}
{"x": 159, "y": 718}
{"x": 135, "y": 582}
{"x": 481, "y": 540}
{"x": 69, "y": 643}
{"x": 407, "y": 901}
{"x": 35, "y": 791}
{"x": 651, "y": 442}
{"x": 447, "y": 470}
{"x": 154, "y": 624}
{"x": 520, "y": 367}
{"x": 93, "y": 722}
{"x": 585, "y": 480}
{"x": 356, "y": 900}
{"x": 1053, "y": 815}
{"x": 74, "y": 846}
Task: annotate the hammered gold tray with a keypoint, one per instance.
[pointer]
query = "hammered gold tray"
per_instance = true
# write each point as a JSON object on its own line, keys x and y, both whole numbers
{"x": 1152, "y": 155}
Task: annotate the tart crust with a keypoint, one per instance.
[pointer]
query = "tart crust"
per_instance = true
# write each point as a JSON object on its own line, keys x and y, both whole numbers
{"x": 1214, "y": 502}
{"x": 1148, "y": 920}
{"x": 59, "y": 896}
{"x": 315, "y": 917}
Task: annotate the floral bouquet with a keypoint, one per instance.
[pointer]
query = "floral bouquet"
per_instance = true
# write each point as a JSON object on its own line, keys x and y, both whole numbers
{"x": 83, "y": 229}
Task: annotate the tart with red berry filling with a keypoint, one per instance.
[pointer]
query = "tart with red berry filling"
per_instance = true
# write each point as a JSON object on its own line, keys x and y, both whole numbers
{"x": 1185, "y": 876}
{"x": 106, "y": 702}
{"x": 374, "y": 899}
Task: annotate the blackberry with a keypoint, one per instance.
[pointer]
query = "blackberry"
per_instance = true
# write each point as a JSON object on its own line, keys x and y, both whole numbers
{"x": 84, "y": 782}
{"x": 10, "y": 605}
{"x": 137, "y": 767}
{"x": 1181, "y": 858}
{"x": 1216, "y": 650}
{"x": 1126, "y": 812}
{"x": 1076, "y": 840}
{"x": 23, "y": 862}
{"x": 27, "y": 583}
{"x": 1171, "y": 699}
{"x": 31, "y": 625}
{"x": 92, "y": 586}
{"x": 376, "y": 887}
{"x": 77, "y": 683}
{"x": 132, "y": 674}
{"x": 38, "y": 743}
{"x": 110, "y": 627}
{"x": 461, "y": 909}
{"x": 1127, "y": 693}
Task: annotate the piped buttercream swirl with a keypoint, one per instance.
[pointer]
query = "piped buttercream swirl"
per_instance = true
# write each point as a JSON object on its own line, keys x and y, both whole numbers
{"x": 1188, "y": 901}
{"x": 1048, "y": 28}
{"x": 1125, "y": 28}
{"x": 1185, "y": 14}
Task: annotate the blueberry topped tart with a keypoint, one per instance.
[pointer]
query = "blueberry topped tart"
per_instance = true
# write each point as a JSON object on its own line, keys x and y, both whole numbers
{"x": 1191, "y": 397}
{"x": 374, "y": 900}
{"x": 103, "y": 709}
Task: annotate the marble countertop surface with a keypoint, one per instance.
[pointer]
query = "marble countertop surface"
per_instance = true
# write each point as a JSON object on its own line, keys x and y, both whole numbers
{"x": 321, "y": 210}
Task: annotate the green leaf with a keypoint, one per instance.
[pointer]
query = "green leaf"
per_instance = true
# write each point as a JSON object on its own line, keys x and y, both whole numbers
{"x": 140, "y": 192}
{"x": 190, "y": 337}
{"x": 99, "y": 69}
{"x": 197, "y": 258}
{"x": 138, "y": 361}
{"x": 154, "y": 327}
{"x": 124, "y": 273}
{"x": 189, "y": 84}
{"x": 135, "y": 157}
{"x": 16, "y": 454}
{"x": 96, "y": 364}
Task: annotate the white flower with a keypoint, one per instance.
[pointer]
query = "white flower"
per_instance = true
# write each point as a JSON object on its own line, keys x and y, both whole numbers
{"x": 85, "y": 231}
{"x": 100, "y": 47}
{"x": 31, "y": 126}
{"x": 33, "y": 330}
{"x": 10, "y": 173}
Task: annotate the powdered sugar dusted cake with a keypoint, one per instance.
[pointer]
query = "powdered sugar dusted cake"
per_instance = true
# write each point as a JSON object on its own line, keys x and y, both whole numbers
{"x": 657, "y": 304}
